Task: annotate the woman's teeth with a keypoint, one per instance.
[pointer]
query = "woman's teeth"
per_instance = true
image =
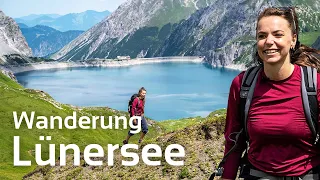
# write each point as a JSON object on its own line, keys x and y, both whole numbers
{"x": 270, "y": 51}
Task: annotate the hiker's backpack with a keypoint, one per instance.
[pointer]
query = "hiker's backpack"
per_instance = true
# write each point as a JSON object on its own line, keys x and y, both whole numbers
{"x": 309, "y": 100}
{"x": 133, "y": 97}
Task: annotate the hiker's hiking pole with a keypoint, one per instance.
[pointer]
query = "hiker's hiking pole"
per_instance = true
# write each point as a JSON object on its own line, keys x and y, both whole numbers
{"x": 219, "y": 170}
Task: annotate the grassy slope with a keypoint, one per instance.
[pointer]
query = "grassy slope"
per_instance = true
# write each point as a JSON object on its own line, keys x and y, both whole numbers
{"x": 174, "y": 125}
{"x": 203, "y": 144}
{"x": 16, "y": 98}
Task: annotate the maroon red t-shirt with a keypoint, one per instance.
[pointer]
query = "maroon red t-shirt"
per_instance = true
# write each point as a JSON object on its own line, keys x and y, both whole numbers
{"x": 137, "y": 108}
{"x": 281, "y": 142}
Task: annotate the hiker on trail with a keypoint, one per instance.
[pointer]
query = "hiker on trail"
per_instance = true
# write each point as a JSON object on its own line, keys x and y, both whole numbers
{"x": 137, "y": 109}
{"x": 281, "y": 143}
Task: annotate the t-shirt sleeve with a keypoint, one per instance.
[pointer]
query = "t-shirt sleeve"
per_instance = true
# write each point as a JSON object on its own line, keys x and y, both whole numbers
{"x": 233, "y": 125}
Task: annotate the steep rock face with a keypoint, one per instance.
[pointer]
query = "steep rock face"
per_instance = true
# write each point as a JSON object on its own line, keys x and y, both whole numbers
{"x": 190, "y": 32}
{"x": 45, "y": 40}
{"x": 231, "y": 34}
{"x": 100, "y": 40}
{"x": 225, "y": 31}
{"x": 11, "y": 39}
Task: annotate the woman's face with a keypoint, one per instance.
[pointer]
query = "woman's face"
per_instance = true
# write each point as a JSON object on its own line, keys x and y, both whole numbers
{"x": 274, "y": 39}
{"x": 143, "y": 94}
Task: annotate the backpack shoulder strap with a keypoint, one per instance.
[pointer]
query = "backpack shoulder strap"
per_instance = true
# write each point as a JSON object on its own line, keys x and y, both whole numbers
{"x": 309, "y": 99}
{"x": 246, "y": 92}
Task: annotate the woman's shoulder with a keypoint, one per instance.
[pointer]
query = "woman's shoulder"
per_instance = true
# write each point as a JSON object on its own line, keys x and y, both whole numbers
{"x": 236, "y": 82}
{"x": 136, "y": 99}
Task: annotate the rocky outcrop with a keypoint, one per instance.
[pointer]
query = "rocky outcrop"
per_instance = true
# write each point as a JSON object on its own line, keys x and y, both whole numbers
{"x": 11, "y": 39}
{"x": 9, "y": 74}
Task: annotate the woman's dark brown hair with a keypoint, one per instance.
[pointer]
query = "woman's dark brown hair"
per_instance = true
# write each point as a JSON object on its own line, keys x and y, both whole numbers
{"x": 142, "y": 89}
{"x": 300, "y": 54}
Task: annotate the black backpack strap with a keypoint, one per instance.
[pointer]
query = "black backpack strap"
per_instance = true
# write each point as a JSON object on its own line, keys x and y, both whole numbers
{"x": 246, "y": 93}
{"x": 309, "y": 99}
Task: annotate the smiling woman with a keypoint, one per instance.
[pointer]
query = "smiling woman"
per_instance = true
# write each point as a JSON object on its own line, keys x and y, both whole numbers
{"x": 274, "y": 40}
{"x": 268, "y": 114}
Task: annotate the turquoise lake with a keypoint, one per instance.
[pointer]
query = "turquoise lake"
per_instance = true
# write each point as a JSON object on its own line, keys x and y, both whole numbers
{"x": 174, "y": 90}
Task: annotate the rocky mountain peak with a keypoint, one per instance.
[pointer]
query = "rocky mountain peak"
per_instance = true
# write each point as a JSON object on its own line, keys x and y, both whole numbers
{"x": 129, "y": 17}
{"x": 222, "y": 31}
{"x": 11, "y": 38}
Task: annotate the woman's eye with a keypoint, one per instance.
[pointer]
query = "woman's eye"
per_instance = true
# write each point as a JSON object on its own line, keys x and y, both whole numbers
{"x": 278, "y": 35}
{"x": 261, "y": 36}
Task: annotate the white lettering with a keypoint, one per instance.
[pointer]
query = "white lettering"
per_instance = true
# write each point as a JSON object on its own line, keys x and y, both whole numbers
{"x": 63, "y": 152}
{"x": 88, "y": 154}
{"x": 146, "y": 154}
{"x": 23, "y": 116}
{"x": 134, "y": 156}
{"x": 16, "y": 153}
{"x": 169, "y": 154}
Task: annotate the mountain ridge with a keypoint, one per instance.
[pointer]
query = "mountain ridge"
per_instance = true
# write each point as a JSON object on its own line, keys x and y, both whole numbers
{"x": 221, "y": 32}
{"x": 72, "y": 21}
{"x": 44, "y": 40}
{"x": 128, "y": 18}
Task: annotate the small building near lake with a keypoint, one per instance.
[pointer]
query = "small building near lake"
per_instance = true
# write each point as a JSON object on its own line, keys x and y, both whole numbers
{"x": 120, "y": 58}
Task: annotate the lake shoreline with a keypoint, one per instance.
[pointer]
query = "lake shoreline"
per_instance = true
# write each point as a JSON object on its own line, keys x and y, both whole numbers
{"x": 109, "y": 63}
{"x": 98, "y": 63}
{"x": 239, "y": 67}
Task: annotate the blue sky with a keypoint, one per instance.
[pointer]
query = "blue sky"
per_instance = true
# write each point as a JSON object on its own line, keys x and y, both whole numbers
{"x": 19, "y": 8}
